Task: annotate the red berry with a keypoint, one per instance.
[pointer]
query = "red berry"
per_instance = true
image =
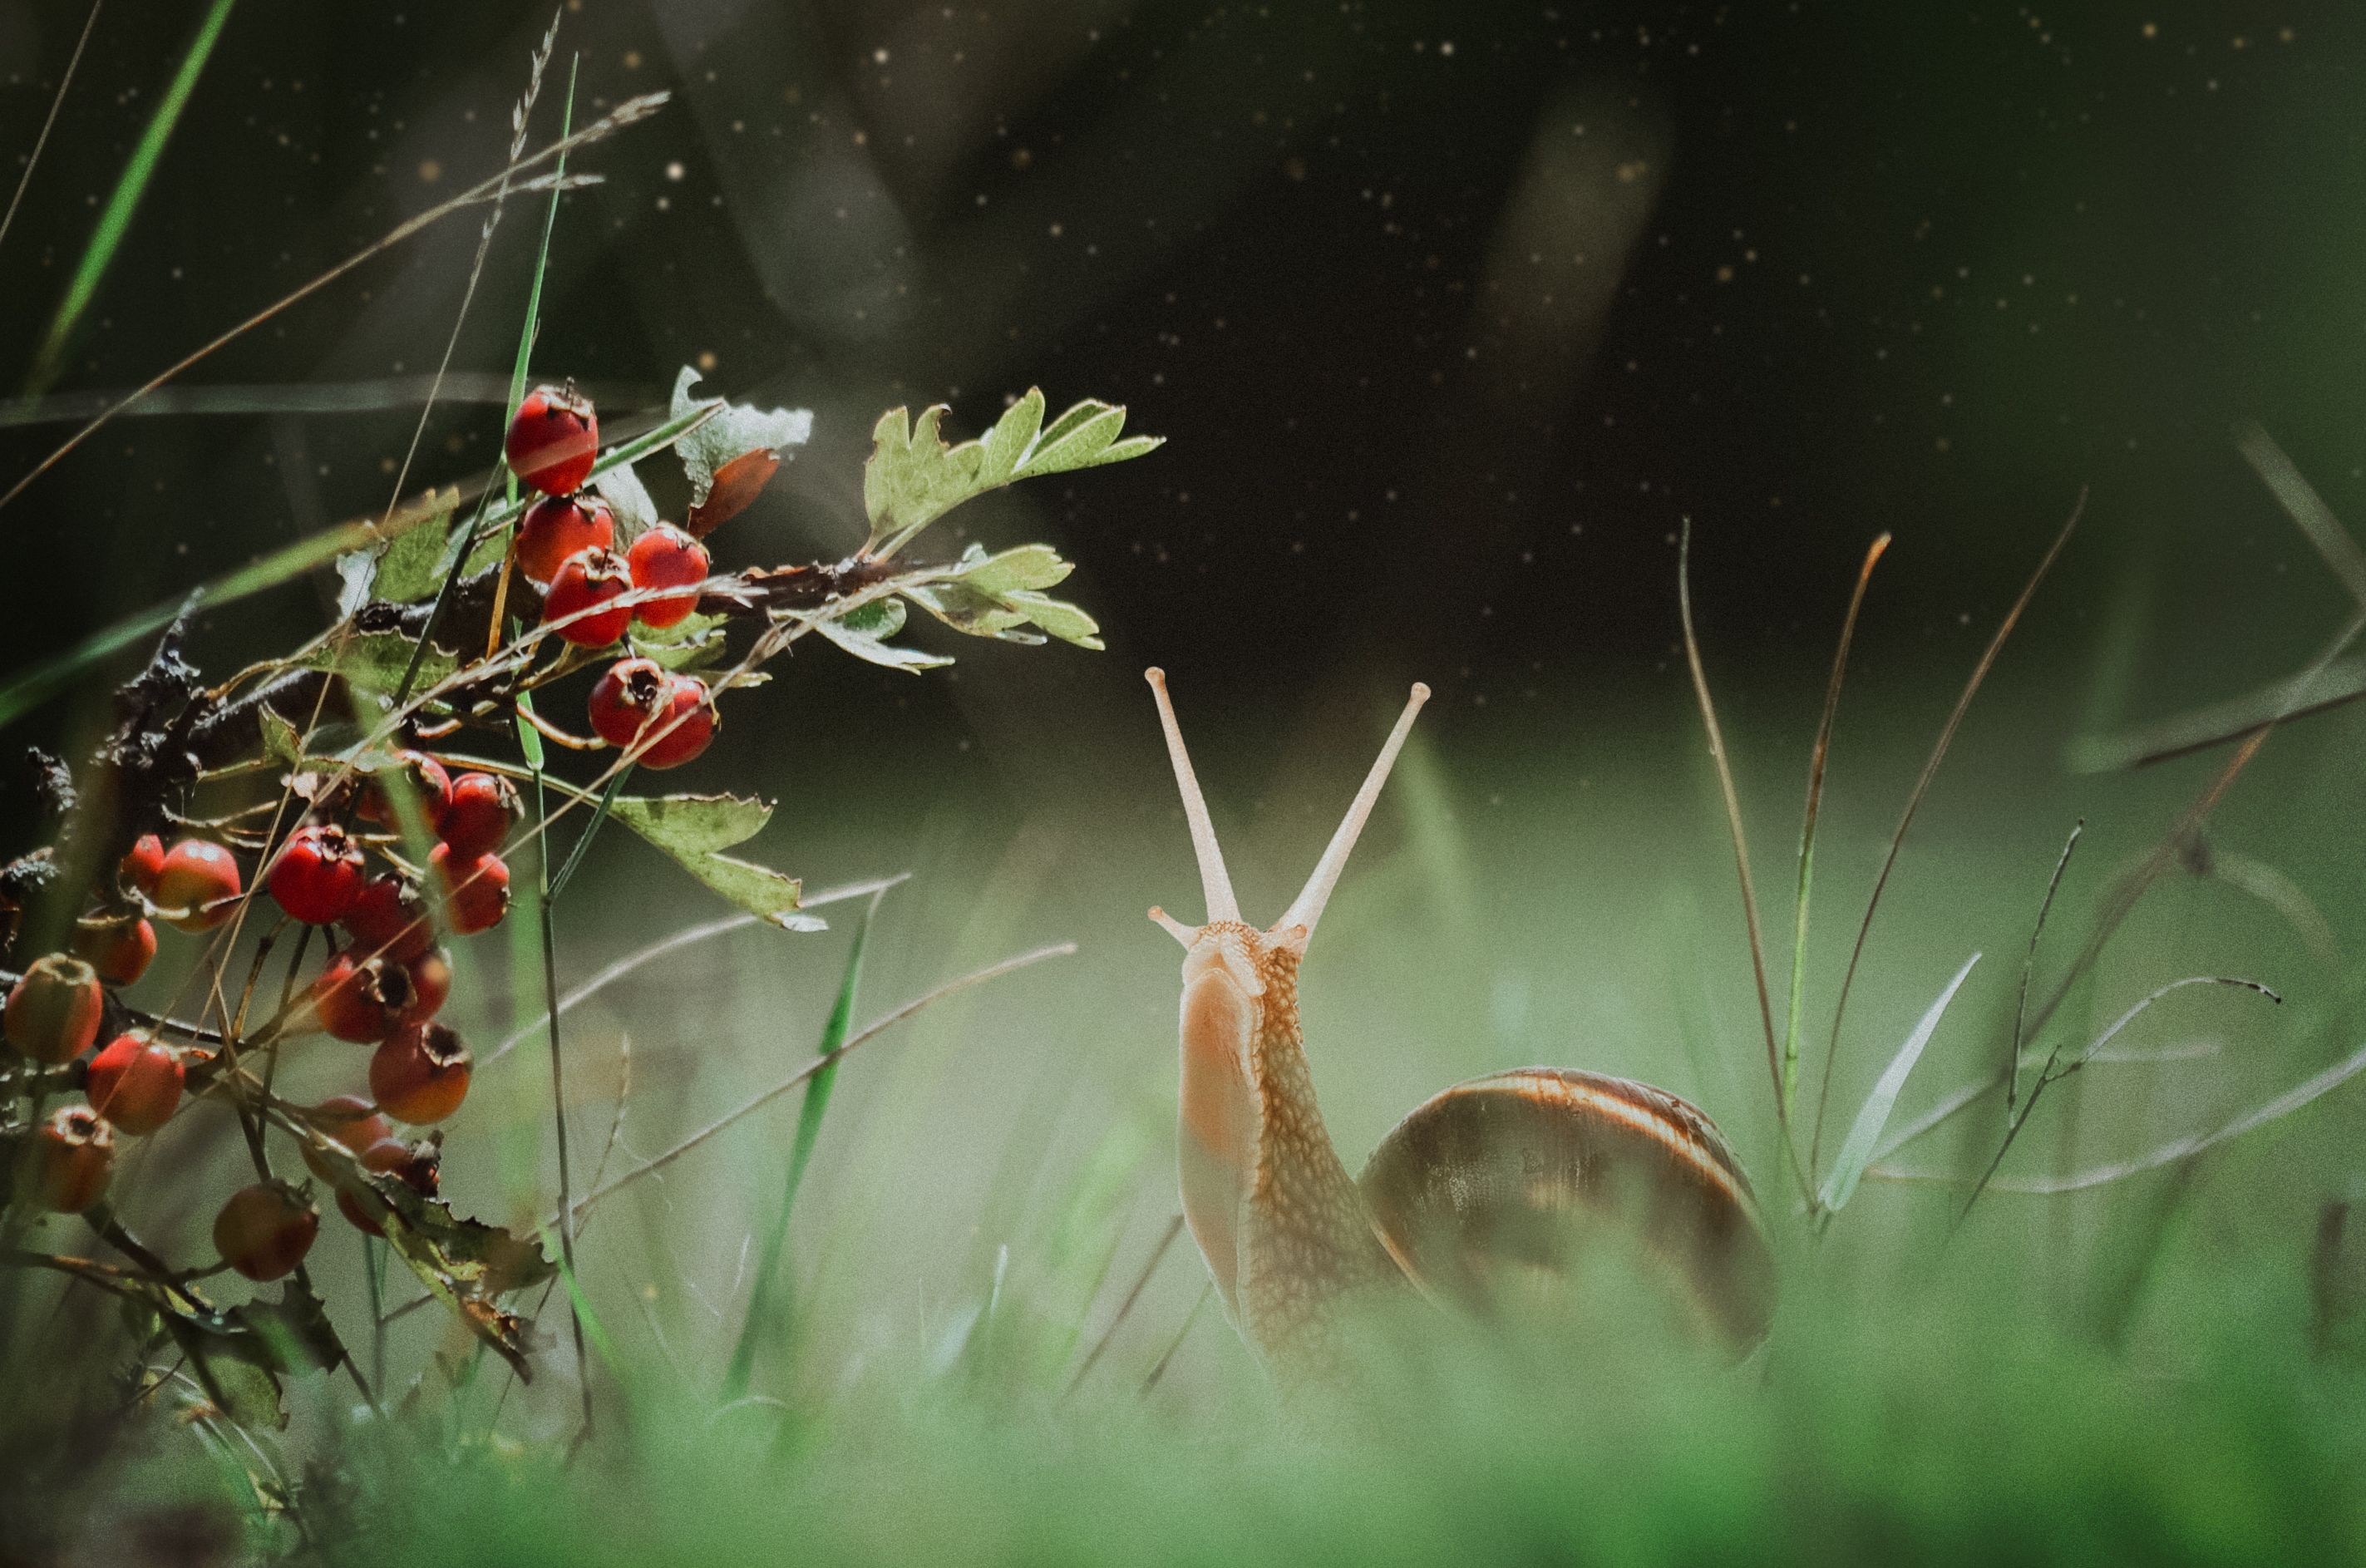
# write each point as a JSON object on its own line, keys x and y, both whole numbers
{"x": 197, "y": 888}
{"x": 553, "y": 440}
{"x": 480, "y": 814}
{"x": 420, "y": 1075}
{"x": 363, "y": 1002}
{"x": 585, "y": 581}
{"x": 319, "y": 875}
{"x": 624, "y": 697}
{"x": 416, "y": 1165}
{"x": 349, "y": 1122}
{"x": 135, "y": 1083}
{"x": 389, "y": 920}
{"x": 54, "y": 1009}
{"x": 432, "y": 784}
{"x": 558, "y": 526}
{"x": 684, "y": 728}
{"x": 119, "y": 946}
{"x": 264, "y": 1230}
{"x": 144, "y": 862}
{"x": 476, "y": 890}
{"x": 637, "y": 697}
{"x": 665, "y": 556}
{"x": 64, "y": 1163}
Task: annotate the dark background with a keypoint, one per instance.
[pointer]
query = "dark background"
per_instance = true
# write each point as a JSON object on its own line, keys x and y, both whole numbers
{"x": 1451, "y": 312}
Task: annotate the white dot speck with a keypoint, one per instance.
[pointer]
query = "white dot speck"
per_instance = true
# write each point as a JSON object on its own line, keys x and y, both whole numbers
{"x": 674, "y": 171}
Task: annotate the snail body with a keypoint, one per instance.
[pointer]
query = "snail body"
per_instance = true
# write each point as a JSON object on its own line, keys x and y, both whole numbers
{"x": 1484, "y": 1197}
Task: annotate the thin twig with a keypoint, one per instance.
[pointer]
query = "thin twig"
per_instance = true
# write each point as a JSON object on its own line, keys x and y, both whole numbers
{"x": 1732, "y": 818}
{"x": 1158, "y": 1370}
{"x": 2029, "y": 962}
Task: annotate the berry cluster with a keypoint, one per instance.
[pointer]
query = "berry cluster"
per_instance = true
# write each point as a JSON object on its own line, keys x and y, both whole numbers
{"x": 566, "y": 546}
{"x": 383, "y": 985}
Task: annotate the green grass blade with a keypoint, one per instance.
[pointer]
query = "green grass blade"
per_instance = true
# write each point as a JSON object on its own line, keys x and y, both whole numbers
{"x": 1822, "y": 755}
{"x": 760, "y": 1309}
{"x": 584, "y": 839}
{"x": 542, "y": 256}
{"x": 1856, "y": 1151}
{"x": 115, "y": 219}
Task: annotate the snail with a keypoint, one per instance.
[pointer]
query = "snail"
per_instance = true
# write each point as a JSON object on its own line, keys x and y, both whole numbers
{"x": 1482, "y": 1198}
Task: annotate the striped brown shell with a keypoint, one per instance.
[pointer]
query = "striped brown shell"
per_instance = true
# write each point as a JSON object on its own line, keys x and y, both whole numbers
{"x": 1495, "y": 1185}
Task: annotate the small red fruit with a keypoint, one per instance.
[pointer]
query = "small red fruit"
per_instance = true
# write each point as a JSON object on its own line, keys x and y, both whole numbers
{"x": 637, "y": 696}
{"x": 420, "y": 1075}
{"x": 428, "y": 779}
{"x": 319, "y": 875}
{"x": 348, "y": 1120}
{"x": 119, "y": 946}
{"x": 665, "y": 556}
{"x": 585, "y": 581}
{"x": 476, "y": 890}
{"x": 480, "y": 814}
{"x": 197, "y": 888}
{"x": 135, "y": 1083}
{"x": 144, "y": 862}
{"x": 389, "y": 920}
{"x": 553, "y": 440}
{"x": 363, "y": 1002}
{"x": 54, "y": 1009}
{"x": 264, "y": 1230}
{"x": 684, "y": 728}
{"x": 64, "y": 1163}
{"x": 558, "y": 526}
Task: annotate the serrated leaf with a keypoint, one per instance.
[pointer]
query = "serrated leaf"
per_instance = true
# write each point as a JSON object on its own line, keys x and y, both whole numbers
{"x": 913, "y": 476}
{"x": 1007, "y": 442}
{"x": 1074, "y": 445}
{"x": 374, "y": 660}
{"x": 693, "y": 642}
{"x": 881, "y": 617}
{"x": 491, "y": 547}
{"x": 412, "y": 566}
{"x": 1865, "y": 1132}
{"x": 966, "y": 610}
{"x": 238, "y": 1356}
{"x": 1059, "y": 617}
{"x": 684, "y": 825}
{"x": 762, "y": 891}
{"x": 734, "y": 432}
{"x": 870, "y": 648}
{"x": 1025, "y": 566}
{"x": 281, "y": 741}
{"x": 622, "y": 488}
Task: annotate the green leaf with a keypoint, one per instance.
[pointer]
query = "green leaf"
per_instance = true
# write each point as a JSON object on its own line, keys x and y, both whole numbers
{"x": 281, "y": 741}
{"x": 914, "y": 478}
{"x": 1865, "y": 1132}
{"x": 1059, "y": 617}
{"x": 1025, "y": 566}
{"x": 759, "y": 890}
{"x": 412, "y": 566}
{"x": 967, "y": 611}
{"x": 736, "y": 429}
{"x": 693, "y": 827}
{"x": 869, "y": 648}
{"x": 622, "y": 488}
{"x": 684, "y": 825}
{"x": 374, "y": 660}
{"x": 1007, "y": 442}
{"x": 1076, "y": 445}
{"x": 881, "y": 617}
{"x": 694, "y": 642}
